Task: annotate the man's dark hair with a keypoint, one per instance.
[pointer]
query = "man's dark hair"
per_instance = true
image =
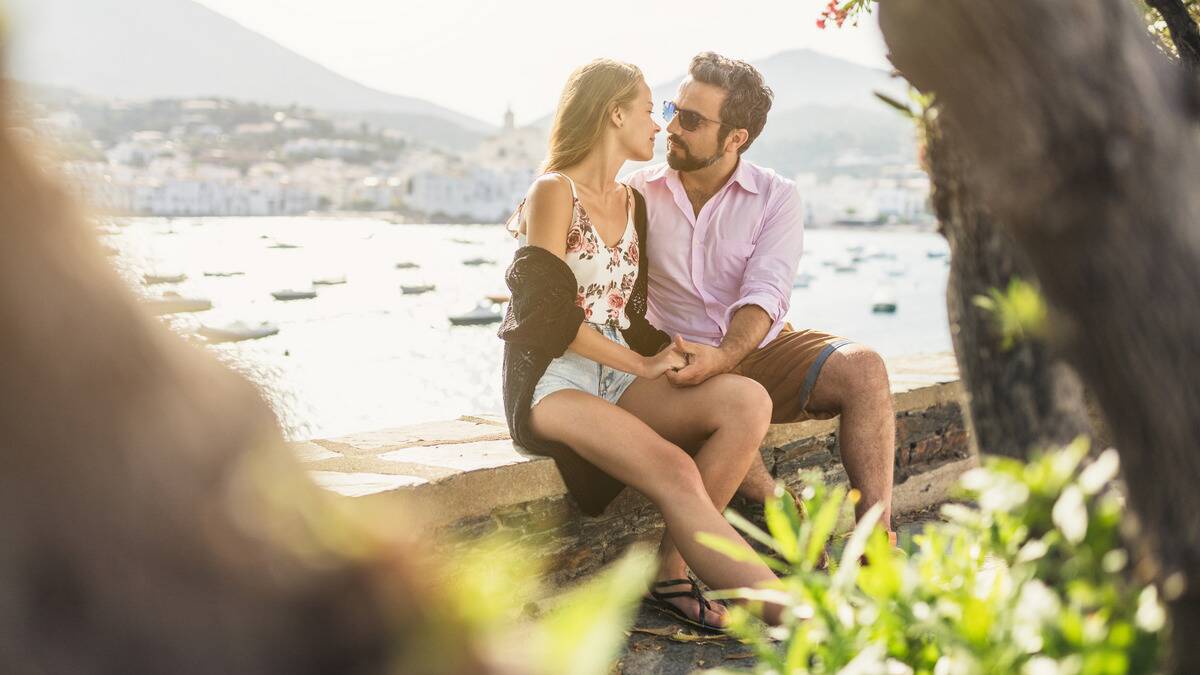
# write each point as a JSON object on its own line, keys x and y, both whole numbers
{"x": 748, "y": 98}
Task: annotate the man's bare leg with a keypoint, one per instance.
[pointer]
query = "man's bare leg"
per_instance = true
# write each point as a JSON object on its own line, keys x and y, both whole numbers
{"x": 853, "y": 383}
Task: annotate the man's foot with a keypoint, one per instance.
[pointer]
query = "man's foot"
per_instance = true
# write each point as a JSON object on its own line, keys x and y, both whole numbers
{"x": 682, "y": 600}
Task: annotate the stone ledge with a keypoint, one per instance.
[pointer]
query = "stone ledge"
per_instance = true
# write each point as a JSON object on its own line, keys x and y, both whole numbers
{"x": 464, "y": 477}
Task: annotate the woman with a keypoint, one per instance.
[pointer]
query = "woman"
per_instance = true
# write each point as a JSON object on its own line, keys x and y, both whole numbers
{"x": 583, "y": 368}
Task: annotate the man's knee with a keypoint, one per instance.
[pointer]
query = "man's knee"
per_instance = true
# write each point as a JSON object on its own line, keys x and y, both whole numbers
{"x": 854, "y": 372}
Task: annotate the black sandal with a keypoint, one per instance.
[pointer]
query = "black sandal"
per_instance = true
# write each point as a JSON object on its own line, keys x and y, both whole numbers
{"x": 658, "y": 601}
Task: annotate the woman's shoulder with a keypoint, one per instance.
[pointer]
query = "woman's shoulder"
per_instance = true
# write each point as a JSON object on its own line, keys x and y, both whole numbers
{"x": 549, "y": 186}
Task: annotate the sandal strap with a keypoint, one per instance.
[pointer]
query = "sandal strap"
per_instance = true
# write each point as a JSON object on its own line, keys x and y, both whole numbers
{"x": 692, "y": 592}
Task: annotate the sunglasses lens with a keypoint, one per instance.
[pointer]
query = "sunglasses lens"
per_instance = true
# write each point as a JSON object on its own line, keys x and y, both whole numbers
{"x": 689, "y": 120}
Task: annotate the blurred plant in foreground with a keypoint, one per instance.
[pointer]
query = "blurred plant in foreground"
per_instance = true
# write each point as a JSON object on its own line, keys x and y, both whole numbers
{"x": 1032, "y": 579}
{"x": 493, "y": 588}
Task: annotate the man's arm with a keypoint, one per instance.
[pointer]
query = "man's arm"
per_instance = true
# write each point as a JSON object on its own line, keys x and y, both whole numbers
{"x": 765, "y": 295}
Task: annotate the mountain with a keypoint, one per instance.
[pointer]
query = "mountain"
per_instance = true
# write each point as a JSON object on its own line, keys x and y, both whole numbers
{"x": 824, "y": 108}
{"x": 144, "y": 49}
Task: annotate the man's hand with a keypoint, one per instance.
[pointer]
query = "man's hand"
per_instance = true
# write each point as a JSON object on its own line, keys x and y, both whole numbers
{"x": 703, "y": 363}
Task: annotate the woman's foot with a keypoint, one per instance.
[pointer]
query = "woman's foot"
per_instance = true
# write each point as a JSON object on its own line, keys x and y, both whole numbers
{"x": 690, "y": 605}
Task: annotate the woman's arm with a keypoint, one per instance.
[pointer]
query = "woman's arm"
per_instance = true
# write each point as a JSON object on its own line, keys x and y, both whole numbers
{"x": 548, "y": 213}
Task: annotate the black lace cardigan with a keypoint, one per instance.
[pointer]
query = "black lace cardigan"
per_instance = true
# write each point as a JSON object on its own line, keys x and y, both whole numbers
{"x": 541, "y": 322}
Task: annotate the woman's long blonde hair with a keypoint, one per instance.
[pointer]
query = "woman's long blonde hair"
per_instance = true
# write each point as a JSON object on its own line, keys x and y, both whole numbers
{"x": 583, "y": 112}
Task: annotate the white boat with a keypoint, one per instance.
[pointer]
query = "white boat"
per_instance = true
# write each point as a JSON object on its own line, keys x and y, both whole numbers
{"x": 486, "y": 312}
{"x": 417, "y": 289}
{"x": 897, "y": 272}
{"x": 884, "y": 302}
{"x": 845, "y": 266}
{"x": 406, "y": 265}
{"x": 290, "y": 294}
{"x": 855, "y": 249}
{"x": 460, "y": 240}
{"x": 282, "y": 244}
{"x": 330, "y": 281}
{"x": 802, "y": 280}
{"x": 161, "y": 278}
{"x": 174, "y": 303}
{"x": 476, "y": 262}
{"x": 237, "y": 331}
{"x": 224, "y": 274}
{"x": 936, "y": 253}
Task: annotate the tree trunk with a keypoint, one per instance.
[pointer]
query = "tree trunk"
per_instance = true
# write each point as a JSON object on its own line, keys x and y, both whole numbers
{"x": 1081, "y": 140}
{"x": 1185, "y": 34}
{"x": 1021, "y": 399}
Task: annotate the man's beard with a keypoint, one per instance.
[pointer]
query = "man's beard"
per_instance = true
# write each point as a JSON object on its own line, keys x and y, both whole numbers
{"x": 688, "y": 162}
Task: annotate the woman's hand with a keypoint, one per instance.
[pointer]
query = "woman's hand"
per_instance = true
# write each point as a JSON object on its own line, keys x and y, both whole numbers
{"x": 669, "y": 359}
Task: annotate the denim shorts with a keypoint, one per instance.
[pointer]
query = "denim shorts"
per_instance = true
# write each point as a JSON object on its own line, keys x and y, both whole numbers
{"x": 572, "y": 371}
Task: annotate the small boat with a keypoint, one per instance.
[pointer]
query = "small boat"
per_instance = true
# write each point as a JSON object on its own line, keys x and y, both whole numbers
{"x": 460, "y": 240}
{"x": 856, "y": 249}
{"x": 281, "y": 244}
{"x": 881, "y": 255}
{"x": 417, "y": 289}
{"x": 159, "y": 278}
{"x": 845, "y": 266}
{"x": 897, "y": 272}
{"x": 498, "y": 298}
{"x": 237, "y": 331}
{"x": 802, "y": 280}
{"x": 224, "y": 274}
{"x": 936, "y": 253}
{"x": 884, "y": 302}
{"x": 476, "y": 262}
{"x": 486, "y": 312}
{"x": 330, "y": 281}
{"x": 289, "y": 294}
{"x": 174, "y": 303}
{"x": 406, "y": 265}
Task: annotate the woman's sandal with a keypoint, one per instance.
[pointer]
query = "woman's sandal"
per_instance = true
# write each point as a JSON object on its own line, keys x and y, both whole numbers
{"x": 658, "y": 601}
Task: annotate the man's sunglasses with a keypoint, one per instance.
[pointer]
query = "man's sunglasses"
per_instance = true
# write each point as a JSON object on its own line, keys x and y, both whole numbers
{"x": 688, "y": 119}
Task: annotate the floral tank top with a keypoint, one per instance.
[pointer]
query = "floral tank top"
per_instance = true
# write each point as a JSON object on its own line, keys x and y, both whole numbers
{"x": 604, "y": 274}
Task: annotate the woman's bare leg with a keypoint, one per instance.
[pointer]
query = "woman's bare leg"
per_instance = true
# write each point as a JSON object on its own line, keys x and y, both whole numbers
{"x": 726, "y": 417}
{"x": 629, "y": 450}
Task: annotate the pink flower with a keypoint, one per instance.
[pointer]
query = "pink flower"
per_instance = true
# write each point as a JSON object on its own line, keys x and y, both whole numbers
{"x": 634, "y": 253}
{"x": 574, "y": 239}
{"x": 821, "y": 23}
{"x": 616, "y": 300}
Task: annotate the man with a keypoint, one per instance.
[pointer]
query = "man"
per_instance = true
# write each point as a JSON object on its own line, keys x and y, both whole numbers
{"x": 725, "y": 240}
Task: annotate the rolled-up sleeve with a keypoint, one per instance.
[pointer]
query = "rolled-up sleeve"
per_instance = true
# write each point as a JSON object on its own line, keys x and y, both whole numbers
{"x": 771, "y": 269}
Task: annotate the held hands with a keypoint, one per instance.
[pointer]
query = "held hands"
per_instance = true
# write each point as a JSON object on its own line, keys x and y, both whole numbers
{"x": 703, "y": 362}
{"x": 668, "y": 360}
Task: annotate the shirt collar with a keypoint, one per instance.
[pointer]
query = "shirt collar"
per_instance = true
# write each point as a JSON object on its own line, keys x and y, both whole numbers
{"x": 745, "y": 175}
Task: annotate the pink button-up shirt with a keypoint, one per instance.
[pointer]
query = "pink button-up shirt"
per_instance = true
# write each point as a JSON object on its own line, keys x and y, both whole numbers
{"x": 743, "y": 249}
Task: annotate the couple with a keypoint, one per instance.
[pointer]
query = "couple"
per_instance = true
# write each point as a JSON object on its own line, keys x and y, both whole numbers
{"x": 704, "y": 248}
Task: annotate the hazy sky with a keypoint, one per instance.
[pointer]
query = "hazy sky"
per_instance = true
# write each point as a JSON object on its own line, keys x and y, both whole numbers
{"x": 476, "y": 56}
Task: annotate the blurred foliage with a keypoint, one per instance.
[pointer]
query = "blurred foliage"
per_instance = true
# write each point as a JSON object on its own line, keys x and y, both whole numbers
{"x": 1032, "y": 579}
{"x": 494, "y": 589}
{"x": 1018, "y": 312}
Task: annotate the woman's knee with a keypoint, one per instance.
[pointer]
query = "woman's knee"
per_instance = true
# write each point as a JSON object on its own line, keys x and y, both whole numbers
{"x": 673, "y": 474}
{"x": 744, "y": 402}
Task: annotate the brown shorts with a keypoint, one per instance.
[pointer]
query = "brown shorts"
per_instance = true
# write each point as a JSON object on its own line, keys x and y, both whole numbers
{"x": 787, "y": 367}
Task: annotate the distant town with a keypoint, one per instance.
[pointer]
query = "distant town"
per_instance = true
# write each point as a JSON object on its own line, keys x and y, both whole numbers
{"x": 221, "y": 157}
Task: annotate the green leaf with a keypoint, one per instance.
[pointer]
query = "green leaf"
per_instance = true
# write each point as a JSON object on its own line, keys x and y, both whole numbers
{"x": 898, "y": 105}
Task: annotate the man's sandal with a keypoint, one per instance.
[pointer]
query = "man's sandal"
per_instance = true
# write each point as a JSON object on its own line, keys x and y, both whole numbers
{"x": 659, "y": 601}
